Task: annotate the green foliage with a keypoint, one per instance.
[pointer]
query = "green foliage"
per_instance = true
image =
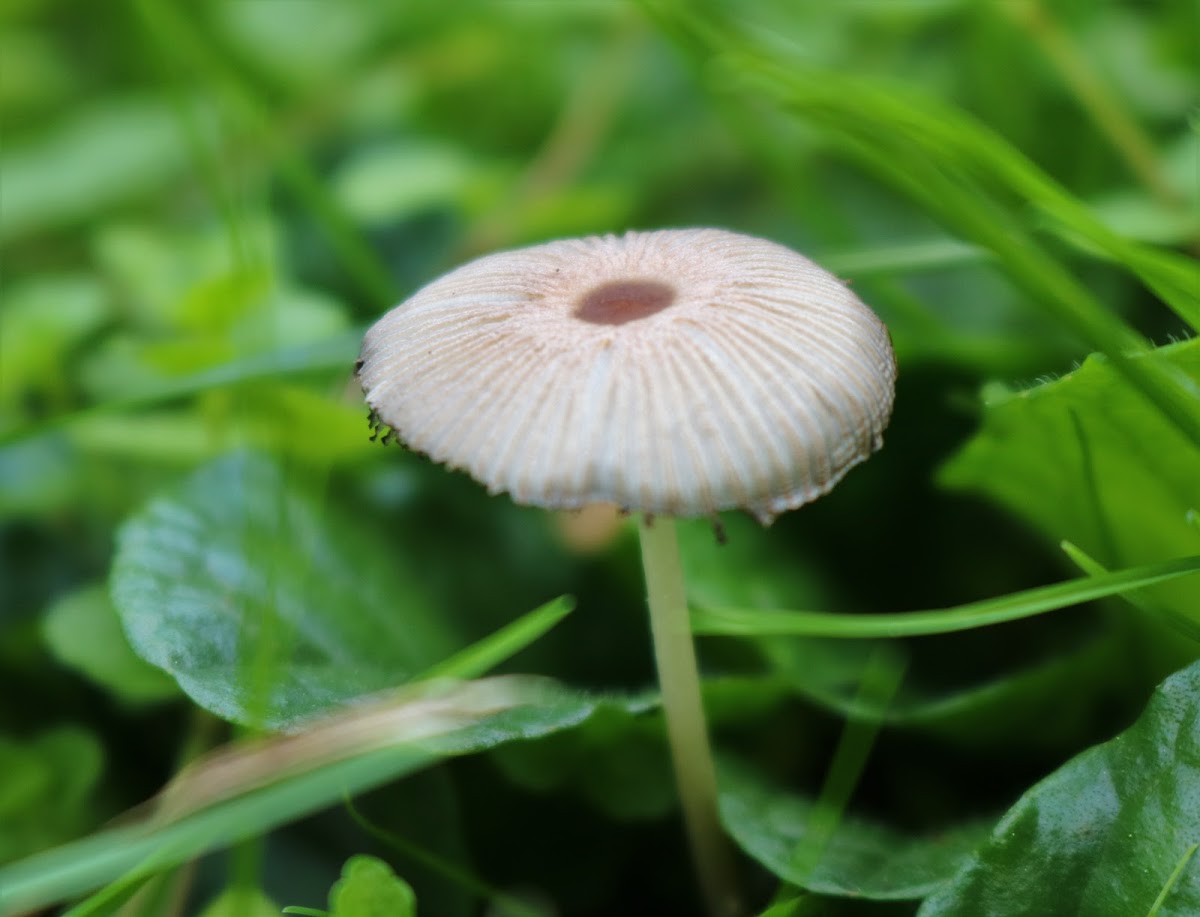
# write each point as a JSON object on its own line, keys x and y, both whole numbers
{"x": 617, "y": 761}
{"x": 83, "y": 632}
{"x": 197, "y": 817}
{"x": 264, "y": 607}
{"x": 45, "y": 320}
{"x": 46, "y": 793}
{"x": 1122, "y": 476}
{"x": 239, "y": 902}
{"x": 205, "y": 204}
{"x": 100, "y": 156}
{"x": 1112, "y": 832}
{"x": 484, "y": 655}
{"x": 860, "y": 859}
{"x": 1014, "y": 607}
{"x": 369, "y": 888}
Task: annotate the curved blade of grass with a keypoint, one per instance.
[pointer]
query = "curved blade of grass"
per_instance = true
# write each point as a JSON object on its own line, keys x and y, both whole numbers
{"x": 249, "y": 789}
{"x": 1089, "y": 565}
{"x": 1156, "y": 908}
{"x": 748, "y": 622}
{"x": 484, "y": 655}
{"x": 945, "y": 135}
{"x": 909, "y": 257}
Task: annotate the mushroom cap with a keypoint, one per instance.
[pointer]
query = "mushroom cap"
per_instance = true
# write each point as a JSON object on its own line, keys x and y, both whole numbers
{"x": 680, "y": 372}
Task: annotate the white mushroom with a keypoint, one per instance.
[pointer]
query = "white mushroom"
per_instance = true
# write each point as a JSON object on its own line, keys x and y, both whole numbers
{"x": 679, "y": 372}
{"x": 674, "y": 373}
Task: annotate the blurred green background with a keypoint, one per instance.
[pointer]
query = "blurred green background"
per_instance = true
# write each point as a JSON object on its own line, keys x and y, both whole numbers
{"x": 202, "y": 207}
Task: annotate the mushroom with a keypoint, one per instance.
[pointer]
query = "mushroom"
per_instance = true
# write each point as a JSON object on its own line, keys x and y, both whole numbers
{"x": 673, "y": 373}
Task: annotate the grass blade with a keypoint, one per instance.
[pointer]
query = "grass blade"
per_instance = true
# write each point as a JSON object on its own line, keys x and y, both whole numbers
{"x": 747, "y": 622}
{"x": 1092, "y": 567}
{"x": 247, "y": 790}
{"x": 1172, "y": 880}
{"x": 484, "y": 655}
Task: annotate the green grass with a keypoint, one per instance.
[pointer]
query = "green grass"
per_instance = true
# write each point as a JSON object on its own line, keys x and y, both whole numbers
{"x": 205, "y": 206}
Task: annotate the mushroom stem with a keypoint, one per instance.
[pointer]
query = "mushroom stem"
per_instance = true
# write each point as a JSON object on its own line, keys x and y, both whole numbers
{"x": 687, "y": 733}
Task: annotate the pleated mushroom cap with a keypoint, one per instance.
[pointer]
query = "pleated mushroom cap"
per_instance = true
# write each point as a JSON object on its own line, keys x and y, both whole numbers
{"x": 679, "y": 372}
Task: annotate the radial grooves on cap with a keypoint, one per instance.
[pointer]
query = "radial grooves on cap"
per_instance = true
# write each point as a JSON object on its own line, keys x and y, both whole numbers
{"x": 728, "y": 373}
{"x": 760, "y": 384}
{"x": 700, "y": 455}
{"x": 799, "y": 426}
{"x": 725, "y": 424}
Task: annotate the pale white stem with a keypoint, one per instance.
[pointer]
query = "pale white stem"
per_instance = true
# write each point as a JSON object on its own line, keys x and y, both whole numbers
{"x": 687, "y": 732}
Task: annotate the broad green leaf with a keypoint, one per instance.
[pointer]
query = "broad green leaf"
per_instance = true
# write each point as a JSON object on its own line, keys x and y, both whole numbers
{"x": 264, "y": 605}
{"x": 369, "y": 888}
{"x": 251, "y": 790}
{"x": 1123, "y": 479}
{"x": 45, "y": 790}
{"x": 1188, "y": 626}
{"x": 750, "y": 622}
{"x": 83, "y": 632}
{"x": 861, "y": 858}
{"x": 1106, "y": 834}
